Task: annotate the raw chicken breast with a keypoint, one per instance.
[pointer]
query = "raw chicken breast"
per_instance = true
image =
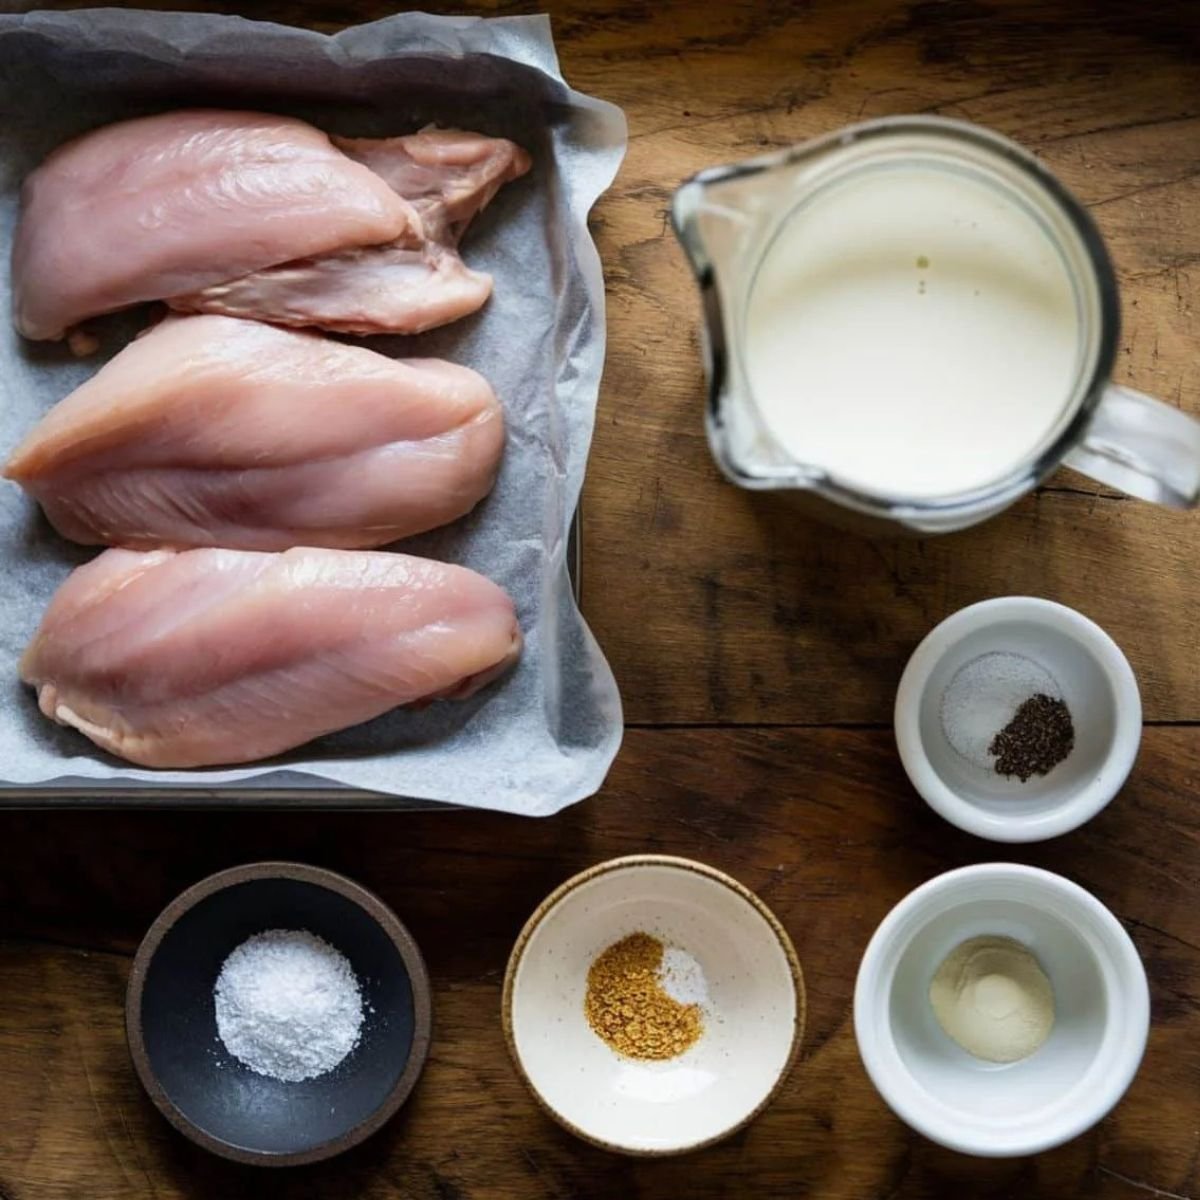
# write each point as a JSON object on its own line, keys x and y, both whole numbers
{"x": 391, "y": 289}
{"x": 160, "y": 205}
{"x": 225, "y": 656}
{"x": 448, "y": 175}
{"x": 403, "y": 287}
{"x": 210, "y": 431}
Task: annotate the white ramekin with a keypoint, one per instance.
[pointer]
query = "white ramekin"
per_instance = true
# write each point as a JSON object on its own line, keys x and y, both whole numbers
{"x": 1098, "y": 686}
{"x": 1063, "y": 1088}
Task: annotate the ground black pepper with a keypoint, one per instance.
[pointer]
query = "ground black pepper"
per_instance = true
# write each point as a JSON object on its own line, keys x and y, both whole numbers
{"x": 1040, "y": 735}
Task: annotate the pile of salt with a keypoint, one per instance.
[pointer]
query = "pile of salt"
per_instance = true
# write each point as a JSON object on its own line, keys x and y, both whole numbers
{"x": 288, "y": 1005}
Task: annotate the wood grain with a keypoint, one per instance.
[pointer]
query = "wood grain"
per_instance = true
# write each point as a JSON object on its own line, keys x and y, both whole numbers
{"x": 720, "y": 609}
{"x": 821, "y": 823}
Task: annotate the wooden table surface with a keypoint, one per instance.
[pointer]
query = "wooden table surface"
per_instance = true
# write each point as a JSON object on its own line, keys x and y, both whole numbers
{"x": 757, "y": 657}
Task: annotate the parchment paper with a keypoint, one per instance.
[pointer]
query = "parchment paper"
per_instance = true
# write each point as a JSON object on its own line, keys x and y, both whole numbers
{"x": 545, "y": 736}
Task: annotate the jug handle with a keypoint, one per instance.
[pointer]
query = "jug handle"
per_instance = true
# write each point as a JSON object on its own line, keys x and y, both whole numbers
{"x": 1141, "y": 446}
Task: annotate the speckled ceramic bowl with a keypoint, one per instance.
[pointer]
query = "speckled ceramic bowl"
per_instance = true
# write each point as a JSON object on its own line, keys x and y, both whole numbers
{"x": 753, "y": 1019}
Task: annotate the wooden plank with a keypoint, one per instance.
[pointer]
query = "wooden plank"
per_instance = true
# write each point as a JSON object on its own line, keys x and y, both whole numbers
{"x": 820, "y": 822}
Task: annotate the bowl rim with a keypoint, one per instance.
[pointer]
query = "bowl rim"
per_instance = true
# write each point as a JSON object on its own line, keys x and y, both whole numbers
{"x": 1075, "y": 809}
{"x": 636, "y": 862}
{"x": 872, "y": 994}
{"x": 375, "y": 908}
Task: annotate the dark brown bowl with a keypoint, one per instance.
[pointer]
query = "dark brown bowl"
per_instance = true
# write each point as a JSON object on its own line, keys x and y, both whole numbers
{"x": 205, "y": 1092}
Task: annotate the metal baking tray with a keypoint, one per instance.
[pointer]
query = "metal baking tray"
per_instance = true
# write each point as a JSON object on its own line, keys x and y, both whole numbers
{"x": 275, "y": 789}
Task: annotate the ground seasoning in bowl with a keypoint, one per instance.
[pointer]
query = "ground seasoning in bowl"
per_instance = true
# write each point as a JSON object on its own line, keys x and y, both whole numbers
{"x": 1039, "y": 737}
{"x": 1005, "y": 713}
{"x": 628, "y": 1003}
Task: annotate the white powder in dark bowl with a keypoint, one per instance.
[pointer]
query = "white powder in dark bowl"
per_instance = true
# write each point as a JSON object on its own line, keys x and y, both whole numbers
{"x": 288, "y": 1005}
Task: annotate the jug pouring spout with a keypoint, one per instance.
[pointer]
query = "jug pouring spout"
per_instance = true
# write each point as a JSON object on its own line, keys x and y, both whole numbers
{"x": 718, "y": 217}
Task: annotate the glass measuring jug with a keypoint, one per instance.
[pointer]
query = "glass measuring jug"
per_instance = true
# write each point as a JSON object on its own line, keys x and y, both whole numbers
{"x": 913, "y": 321}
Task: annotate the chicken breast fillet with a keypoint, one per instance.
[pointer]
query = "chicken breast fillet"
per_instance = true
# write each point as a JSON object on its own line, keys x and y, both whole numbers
{"x": 222, "y": 656}
{"x": 211, "y": 431}
{"x": 406, "y": 286}
{"x": 168, "y": 204}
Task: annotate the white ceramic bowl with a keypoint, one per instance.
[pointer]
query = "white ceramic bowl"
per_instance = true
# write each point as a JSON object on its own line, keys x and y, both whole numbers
{"x": 1081, "y": 1070}
{"x": 752, "y": 1026}
{"x": 1096, "y": 682}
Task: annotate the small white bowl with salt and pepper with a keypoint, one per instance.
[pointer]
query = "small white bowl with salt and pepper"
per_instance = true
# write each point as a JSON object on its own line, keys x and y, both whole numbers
{"x": 1001, "y": 1010}
{"x": 1018, "y": 719}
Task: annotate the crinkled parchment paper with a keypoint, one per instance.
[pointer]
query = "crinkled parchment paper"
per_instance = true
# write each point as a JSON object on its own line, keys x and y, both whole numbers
{"x": 545, "y": 736}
